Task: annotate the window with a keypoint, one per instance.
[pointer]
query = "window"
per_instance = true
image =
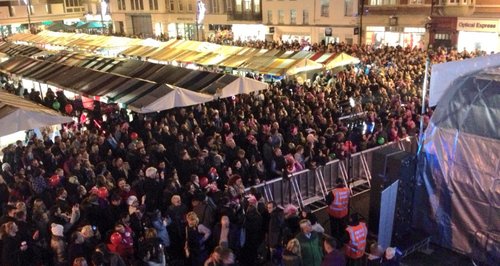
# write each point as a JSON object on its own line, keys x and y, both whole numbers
{"x": 72, "y": 3}
{"x": 270, "y": 17}
{"x": 172, "y": 5}
{"x": 181, "y": 5}
{"x": 256, "y": 6}
{"x": 384, "y": 2}
{"x": 153, "y": 4}
{"x": 239, "y": 7}
{"x": 305, "y": 17}
{"x": 247, "y": 5}
{"x": 442, "y": 36}
{"x": 325, "y": 8}
{"x": 349, "y": 8}
{"x": 214, "y": 7}
{"x": 229, "y": 5}
{"x": 121, "y": 5}
{"x": 281, "y": 17}
{"x": 137, "y": 4}
{"x": 293, "y": 16}
{"x": 190, "y": 6}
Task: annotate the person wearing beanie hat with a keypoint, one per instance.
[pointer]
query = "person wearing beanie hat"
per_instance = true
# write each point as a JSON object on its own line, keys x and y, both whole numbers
{"x": 57, "y": 244}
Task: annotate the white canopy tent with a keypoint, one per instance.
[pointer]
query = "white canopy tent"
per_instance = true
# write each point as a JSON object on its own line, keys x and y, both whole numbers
{"x": 169, "y": 96}
{"x": 341, "y": 60}
{"x": 17, "y": 114}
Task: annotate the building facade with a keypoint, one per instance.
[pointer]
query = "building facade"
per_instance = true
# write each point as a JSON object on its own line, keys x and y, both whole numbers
{"x": 311, "y": 20}
{"x": 188, "y": 19}
{"x": 16, "y": 15}
{"x": 464, "y": 24}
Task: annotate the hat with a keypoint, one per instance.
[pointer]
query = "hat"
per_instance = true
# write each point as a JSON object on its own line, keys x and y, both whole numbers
{"x": 131, "y": 200}
{"x": 57, "y": 229}
{"x": 390, "y": 253}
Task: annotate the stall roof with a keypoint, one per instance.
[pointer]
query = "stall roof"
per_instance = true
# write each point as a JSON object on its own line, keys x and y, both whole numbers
{"x": 21, "y": 114}
{"x": 131, "y": 81}
{"x": 11, "y": 49}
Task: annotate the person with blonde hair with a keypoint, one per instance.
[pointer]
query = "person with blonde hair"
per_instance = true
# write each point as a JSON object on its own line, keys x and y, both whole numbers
{"x": 196, "y": 235}
{"x": 13, "y": 249}
{"x": 80, "y": 261}
{"x": 292, "y": 254}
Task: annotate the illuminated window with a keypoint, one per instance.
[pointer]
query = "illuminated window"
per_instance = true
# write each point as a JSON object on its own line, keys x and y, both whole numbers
{"x": 383, "y": 2}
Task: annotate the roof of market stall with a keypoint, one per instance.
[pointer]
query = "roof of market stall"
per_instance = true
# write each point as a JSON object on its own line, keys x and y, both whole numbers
{"x": 143, "y": 86}
{"x": 274, "y": 61}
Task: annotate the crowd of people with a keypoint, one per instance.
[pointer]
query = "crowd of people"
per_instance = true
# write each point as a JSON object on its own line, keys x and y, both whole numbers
{"x": 169, "y": 188}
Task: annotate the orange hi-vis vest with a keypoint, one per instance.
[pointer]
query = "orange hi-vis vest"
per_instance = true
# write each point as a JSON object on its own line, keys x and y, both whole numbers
{"x": 339, "y": 206}
{"x": 357, "y": 243}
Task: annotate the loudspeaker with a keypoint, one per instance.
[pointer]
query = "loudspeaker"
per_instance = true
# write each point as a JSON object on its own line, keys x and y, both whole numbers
{"x": 388, "y": 166}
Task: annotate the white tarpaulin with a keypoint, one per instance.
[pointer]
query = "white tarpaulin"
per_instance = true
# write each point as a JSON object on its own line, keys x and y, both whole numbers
{"x": 341, "y": 60}
{"x": 444, "y": 74}
{"x": 243, "y": 86}
{"x": 168, "y": 97}
{"x": 17, "y": 114}
{"x": 459, "y": 173}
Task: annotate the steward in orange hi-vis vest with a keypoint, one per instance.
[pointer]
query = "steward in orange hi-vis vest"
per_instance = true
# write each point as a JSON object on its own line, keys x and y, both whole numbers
{"x": 355, "y": 249}
{"x": 339, "y": 206}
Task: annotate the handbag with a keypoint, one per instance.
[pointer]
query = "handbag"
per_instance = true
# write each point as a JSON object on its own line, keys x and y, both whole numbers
{"x": 186, "y": 246}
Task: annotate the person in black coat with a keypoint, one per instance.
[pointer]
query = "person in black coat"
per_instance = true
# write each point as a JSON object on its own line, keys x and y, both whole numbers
{"x": 13, "y": 249}
{"x": 76, "y": 248}
{"x": 254, "y": 235}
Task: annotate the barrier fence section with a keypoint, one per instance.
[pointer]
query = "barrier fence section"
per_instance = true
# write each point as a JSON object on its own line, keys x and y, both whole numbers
{"x": 312, "y": 185}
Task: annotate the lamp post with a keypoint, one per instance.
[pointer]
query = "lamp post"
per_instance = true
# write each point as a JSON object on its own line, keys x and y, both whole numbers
{"x": 104, "y": 7}
{"x": 200, "y": 16}
{"x": 28, "y": 9}
{"x": 361, "y": 12}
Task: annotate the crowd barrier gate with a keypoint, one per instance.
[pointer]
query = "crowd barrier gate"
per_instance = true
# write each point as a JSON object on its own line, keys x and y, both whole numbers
{"x": 309, "y": 187}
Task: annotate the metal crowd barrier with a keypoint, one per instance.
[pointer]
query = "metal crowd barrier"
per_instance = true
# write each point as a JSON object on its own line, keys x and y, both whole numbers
{"x": 310, "y": 186}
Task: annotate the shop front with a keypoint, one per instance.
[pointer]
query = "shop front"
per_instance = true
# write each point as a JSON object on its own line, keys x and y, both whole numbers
{"x": 182, "y": 26}
{"x": 249, "y": 32}
{"x": 478, "y": 34}
{"x": 395, "y": 36}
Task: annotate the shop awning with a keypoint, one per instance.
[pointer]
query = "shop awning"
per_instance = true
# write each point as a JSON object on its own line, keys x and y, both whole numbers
{"x": 20, "y": 114}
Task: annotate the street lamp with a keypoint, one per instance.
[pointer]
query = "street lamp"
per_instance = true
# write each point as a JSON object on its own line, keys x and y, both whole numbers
{"x": 28, "y": 9}
{"x": 104, "y": 7}
{"x": 361, "y": 7}
{"x": 200, "y": 16}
